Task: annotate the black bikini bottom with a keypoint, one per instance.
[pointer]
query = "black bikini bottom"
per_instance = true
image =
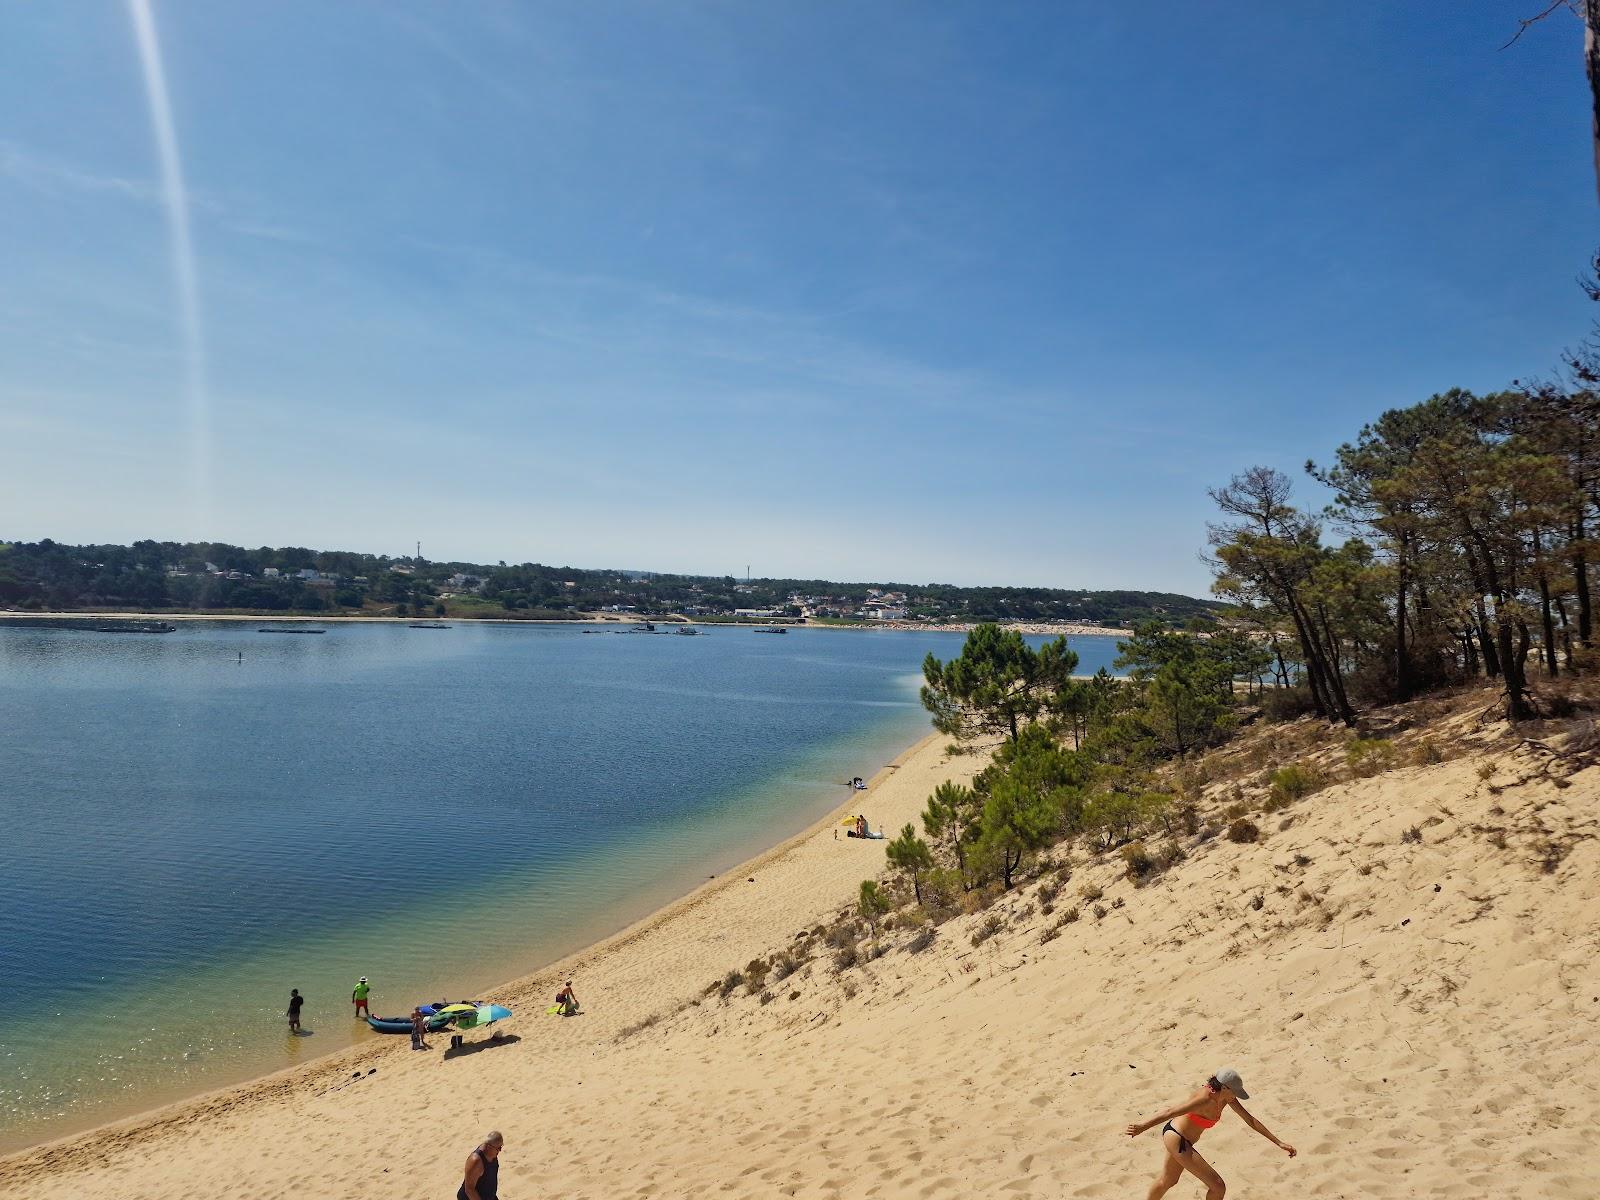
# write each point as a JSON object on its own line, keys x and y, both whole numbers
{"x": 1184, "y": 1144}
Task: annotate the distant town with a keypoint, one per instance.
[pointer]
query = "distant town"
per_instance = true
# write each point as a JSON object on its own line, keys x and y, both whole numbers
{"x": 175, "y": 577}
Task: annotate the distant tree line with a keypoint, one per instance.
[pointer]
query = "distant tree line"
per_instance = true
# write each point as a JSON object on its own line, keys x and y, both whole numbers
{"x": 154, "y": 575}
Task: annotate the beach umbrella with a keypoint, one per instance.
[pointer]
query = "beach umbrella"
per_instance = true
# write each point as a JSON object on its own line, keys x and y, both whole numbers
{"x": 467, "y": 1016}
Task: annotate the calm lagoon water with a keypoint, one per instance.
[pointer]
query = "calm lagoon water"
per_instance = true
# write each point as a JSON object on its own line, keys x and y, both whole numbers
{"x": 187, "y": 836}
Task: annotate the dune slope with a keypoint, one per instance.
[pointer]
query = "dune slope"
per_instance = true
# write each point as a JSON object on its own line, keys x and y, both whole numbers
{"x": 1403, "y": 969}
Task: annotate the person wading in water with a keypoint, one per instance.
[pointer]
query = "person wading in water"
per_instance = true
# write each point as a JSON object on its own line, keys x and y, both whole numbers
{"x": 1187, "y": 1121}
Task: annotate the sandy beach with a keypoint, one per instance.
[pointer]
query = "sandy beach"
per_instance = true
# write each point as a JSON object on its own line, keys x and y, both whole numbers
{"x": 645, "y": 969}
{"x": 1400, "y": 959}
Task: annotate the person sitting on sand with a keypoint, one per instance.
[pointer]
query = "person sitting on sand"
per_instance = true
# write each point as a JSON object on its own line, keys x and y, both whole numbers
{"x": 567, "y": 999}
{"x": 1187, "y": 1121}
{"x": 482, "y": 1177}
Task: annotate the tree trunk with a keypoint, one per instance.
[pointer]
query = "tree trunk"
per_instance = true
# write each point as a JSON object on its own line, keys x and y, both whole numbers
{"x": 1335, "y": 671}
{"x": 1402, "y": 661}
{"x": 1591, "y": 62}
{"x": 1313, "y": 663}
{"x": 1517, "y": 707}
{"x": 1580, "y": 585}
{"x": 1549, "y": 625}
{"x": 1491, "y": 660}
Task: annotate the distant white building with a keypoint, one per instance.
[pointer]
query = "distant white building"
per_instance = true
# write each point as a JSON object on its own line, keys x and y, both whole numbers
{"x": 307, "y": 573}
{"x": 754, "y": 614}
{"x": 888, "y": 612}
{"x": 269, "y": 572}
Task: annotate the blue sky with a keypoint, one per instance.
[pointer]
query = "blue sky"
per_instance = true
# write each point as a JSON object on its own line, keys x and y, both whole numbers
{"x": 957, "y": 292}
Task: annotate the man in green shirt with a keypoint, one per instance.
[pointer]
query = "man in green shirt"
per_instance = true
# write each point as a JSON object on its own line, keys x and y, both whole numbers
{"x": 359, "y": 998}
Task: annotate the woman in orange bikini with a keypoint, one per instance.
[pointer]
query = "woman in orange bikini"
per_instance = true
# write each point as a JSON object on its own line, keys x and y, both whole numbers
{"x": 1184, "y": 1123}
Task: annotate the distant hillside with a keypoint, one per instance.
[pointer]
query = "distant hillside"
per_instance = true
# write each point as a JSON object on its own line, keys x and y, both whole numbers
{"x": 178, "y": 576}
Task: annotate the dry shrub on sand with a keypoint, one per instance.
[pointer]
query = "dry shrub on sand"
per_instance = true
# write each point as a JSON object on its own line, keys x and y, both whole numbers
{"x": 1243, "y": 832}
{"x": 992, "y": 924}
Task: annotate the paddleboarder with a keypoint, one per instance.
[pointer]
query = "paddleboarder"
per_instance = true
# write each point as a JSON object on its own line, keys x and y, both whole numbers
{"x": 358, "y": 997}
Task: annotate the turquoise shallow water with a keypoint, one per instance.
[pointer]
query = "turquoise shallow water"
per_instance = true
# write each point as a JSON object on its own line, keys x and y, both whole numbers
{"x": 188, "y": 836}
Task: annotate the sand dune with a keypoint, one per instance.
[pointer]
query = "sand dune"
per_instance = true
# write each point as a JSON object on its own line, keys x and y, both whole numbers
{"x": 1404, "y": 969}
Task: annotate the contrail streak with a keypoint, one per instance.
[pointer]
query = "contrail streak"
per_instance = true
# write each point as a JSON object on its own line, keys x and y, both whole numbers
{"x": 183, "y": 268}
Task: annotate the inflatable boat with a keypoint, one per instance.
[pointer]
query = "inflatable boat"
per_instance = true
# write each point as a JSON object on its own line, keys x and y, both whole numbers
{"x": 403, "y": 1024}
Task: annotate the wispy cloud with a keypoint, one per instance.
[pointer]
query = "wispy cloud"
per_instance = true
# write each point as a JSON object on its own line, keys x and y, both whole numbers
{"x": 56, "y": 177}
{"x": 270, "y": 233}
{"x": 663, "y": 323}
{"x": 53, "y": 176}
{"x": 429, "y": 36}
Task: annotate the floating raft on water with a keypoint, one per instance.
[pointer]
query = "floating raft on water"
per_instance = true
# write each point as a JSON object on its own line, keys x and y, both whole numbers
{"x": 88, "y": 624}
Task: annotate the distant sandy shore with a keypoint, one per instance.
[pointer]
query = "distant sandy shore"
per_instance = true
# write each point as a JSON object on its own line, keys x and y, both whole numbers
{"x": 1044, "y": 628}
